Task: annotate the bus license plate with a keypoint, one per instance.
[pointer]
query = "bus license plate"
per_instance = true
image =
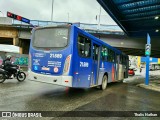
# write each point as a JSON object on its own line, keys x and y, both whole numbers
{"x": 45, "y": 68}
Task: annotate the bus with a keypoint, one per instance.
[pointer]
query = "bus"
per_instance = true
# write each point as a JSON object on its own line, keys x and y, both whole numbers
{"x": 154, "y": 66}
{"x": 68, "y": 56}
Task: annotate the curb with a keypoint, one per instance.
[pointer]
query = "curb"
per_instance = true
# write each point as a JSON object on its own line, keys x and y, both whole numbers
{"x": 150, "y": 87}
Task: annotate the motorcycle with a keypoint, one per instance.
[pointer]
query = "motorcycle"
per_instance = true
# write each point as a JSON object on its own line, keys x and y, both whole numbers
{"x": 15, "y": 71}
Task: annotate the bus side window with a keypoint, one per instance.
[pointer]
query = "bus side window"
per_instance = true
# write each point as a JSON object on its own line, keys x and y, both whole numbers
{"x": 120, "y": 61}
{"x": 95, "y": 52}
{"x": 84, "y": 46}
{"x": 117, "y": 58}
{"x": 87, "y": 48}
{"x": 104, "y": 53}
{"x": 80, "y": 45}
{"x": 124, "y": 60}
{"x": 111, "y": 56}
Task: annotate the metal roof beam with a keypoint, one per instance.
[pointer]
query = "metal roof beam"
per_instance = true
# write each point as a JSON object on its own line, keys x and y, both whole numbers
{"x": 140, "y": 15}
{"x": 144, "y": 29}
{"x": 141, "y": 18}
{"x": 125, "y": 50}
{"x": 142, "y": 34}
{"x": 145, "y": 24}
{"x": 128, "y": 2}
{"x": 134, "y": 11}
{"x": 139, "y": 6}
{"x": 135, "y": 52}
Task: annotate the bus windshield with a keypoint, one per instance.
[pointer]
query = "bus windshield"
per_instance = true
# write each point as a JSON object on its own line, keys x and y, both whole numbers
{"x": 50, "y": 38}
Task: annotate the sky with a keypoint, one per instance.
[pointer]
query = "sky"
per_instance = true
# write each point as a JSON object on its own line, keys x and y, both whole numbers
{"x": 83, "y": 11}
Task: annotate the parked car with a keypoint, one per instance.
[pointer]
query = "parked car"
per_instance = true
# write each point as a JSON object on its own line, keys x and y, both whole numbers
{"x": 133, "y": 67}
{"x": 131, "y": 71}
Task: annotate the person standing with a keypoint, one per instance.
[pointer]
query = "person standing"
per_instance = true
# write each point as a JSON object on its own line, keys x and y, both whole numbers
{"x": 140, "y": 68}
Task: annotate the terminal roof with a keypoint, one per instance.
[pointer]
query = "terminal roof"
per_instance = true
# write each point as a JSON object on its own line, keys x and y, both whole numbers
{"x": 135, "y": 17}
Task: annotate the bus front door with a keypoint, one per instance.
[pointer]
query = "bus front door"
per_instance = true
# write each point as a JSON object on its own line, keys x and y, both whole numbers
{"x": 95, "y": 64}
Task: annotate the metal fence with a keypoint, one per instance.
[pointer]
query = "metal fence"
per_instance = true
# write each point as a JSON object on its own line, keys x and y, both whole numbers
{"x": 92, "y": 28}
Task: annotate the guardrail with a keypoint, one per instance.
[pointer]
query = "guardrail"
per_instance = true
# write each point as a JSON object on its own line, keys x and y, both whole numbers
{"x": 92, "y": 28}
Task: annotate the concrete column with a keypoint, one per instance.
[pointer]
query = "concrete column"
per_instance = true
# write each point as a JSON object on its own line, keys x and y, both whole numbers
{"x": 16, "y": 41}
{"x": 24, "y": 46}
{"x": 20, "y": 50}
{"x": 158, "y": 60}
{"x": 139, "y": 61}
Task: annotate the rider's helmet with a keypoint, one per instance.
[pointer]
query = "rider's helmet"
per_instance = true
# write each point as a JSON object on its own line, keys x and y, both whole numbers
{"x": 8, "y": 57}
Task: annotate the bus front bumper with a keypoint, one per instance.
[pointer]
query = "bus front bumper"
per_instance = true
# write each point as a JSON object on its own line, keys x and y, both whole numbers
{"x": 56, "y": 80}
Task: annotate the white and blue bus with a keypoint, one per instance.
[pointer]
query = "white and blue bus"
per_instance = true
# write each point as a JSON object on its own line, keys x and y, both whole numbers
{"x": 69, "y": 56}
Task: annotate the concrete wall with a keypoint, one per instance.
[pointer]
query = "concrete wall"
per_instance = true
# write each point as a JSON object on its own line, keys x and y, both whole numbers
{"x": 8, "y": 32}
{"x": 24, "y": 34}
{"x": 18, "y": 59}
{"x": 127, "y": 42}
{"x": 5, "y": 21}
{"x": 24, "y": 46}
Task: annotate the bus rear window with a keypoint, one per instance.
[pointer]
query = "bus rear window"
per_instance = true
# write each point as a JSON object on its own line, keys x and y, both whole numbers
{"x": 50, "y": 38}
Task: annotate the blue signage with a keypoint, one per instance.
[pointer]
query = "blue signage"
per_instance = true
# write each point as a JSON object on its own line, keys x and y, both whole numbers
{"x": 25, "y": 20}
{"x": 18, "y": 17}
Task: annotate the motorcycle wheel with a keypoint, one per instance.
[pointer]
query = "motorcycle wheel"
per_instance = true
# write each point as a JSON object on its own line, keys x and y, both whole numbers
{"x": 21, "y": 76}
{"x": 2, "y": 78}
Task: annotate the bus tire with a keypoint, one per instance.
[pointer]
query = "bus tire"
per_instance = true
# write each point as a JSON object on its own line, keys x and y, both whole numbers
{"x": 104, "y": 82}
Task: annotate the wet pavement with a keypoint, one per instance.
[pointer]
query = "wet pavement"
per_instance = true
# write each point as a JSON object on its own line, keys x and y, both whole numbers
{"x": 139, "y": 80}
{"x": 119, "y": 96}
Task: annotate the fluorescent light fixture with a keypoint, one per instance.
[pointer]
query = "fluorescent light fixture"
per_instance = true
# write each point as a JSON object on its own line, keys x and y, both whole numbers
{"x": 157, "y": 30}
{"x": 156, "y": 17}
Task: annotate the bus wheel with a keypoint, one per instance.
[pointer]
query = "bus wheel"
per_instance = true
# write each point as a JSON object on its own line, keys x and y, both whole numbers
{"x": 104, "y": 82}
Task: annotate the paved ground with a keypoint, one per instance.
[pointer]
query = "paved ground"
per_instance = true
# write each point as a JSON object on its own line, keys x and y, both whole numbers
{"x": 33, "y": 96}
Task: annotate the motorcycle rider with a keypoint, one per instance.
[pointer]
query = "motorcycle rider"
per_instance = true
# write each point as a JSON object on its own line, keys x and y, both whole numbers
{"x": 8, "y": 59}
{"x": 8, "y": 65}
